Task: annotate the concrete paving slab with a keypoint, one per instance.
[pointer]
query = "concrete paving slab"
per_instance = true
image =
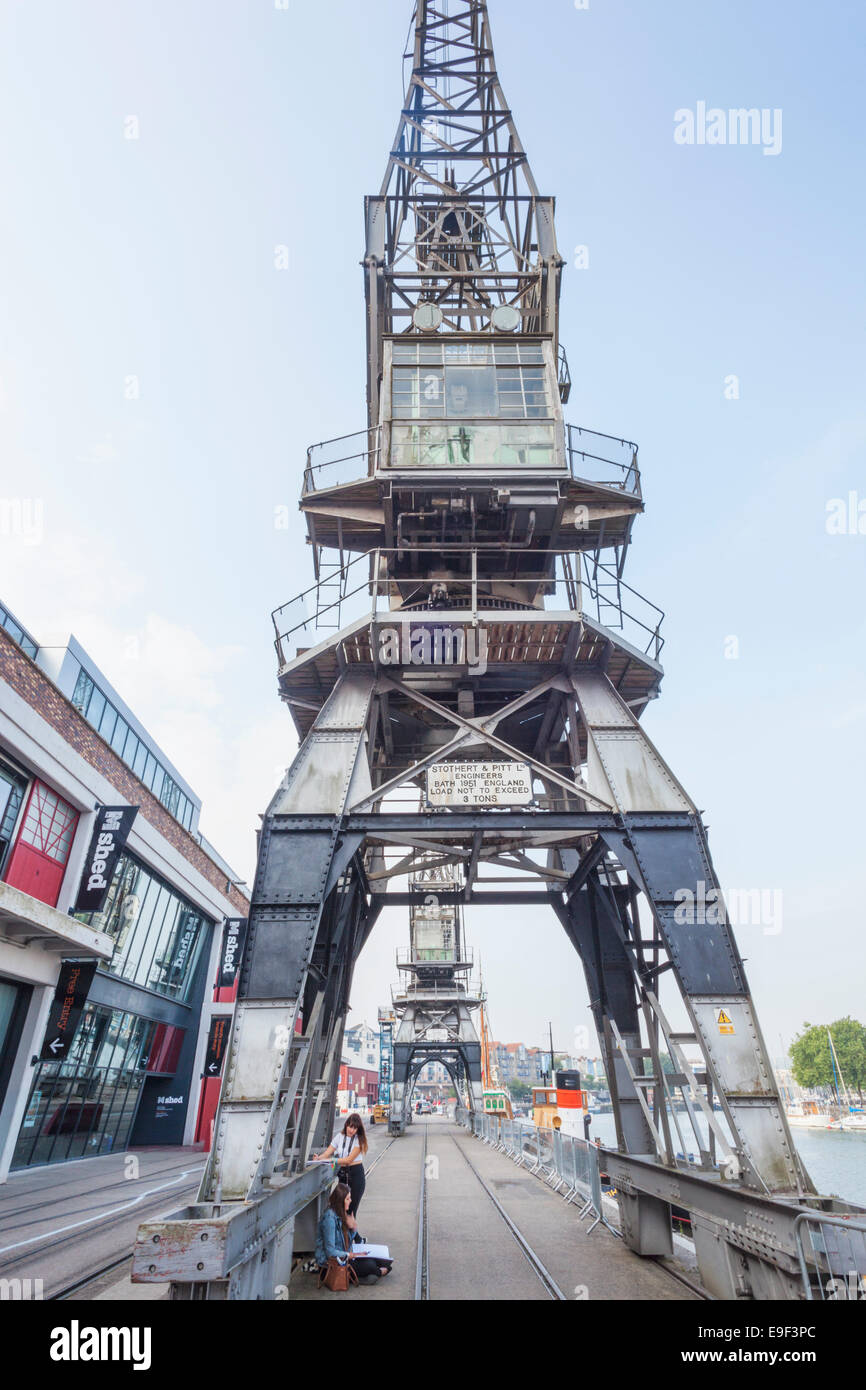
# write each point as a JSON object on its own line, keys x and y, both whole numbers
{"x": 63, "y": 1221}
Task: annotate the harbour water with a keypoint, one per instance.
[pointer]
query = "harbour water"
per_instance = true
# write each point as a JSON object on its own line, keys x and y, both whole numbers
{"x": 835, "y": 1161}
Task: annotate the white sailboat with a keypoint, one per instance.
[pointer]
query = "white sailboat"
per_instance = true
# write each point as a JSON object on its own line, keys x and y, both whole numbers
{"x": 810, "y": 1114}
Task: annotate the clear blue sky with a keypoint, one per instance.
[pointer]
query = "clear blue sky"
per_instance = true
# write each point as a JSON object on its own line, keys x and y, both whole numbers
{"x": 153, "y": 258}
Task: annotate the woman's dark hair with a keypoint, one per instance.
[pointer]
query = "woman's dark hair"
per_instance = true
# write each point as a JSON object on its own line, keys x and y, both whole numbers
{"x": 361, "y": 1132}
{"x": 337, "y": 1203}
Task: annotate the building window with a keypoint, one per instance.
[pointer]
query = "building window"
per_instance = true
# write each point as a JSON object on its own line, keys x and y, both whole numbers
{"x": 157, "y": 933}
{"x": 170, "y": 795}
{"x": 82, "y": 692}
{"x": 17, "y": 633}
{"x": 470, "y": 392}
{"x": 37, "y": 861}
{"x": 49, "y": 824}
{"x": 473, "y": 445}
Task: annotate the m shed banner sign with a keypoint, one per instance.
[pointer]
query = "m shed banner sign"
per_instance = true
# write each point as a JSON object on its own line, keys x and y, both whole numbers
{"x": 113, "y": 824}
{"x": 234, "y": 937}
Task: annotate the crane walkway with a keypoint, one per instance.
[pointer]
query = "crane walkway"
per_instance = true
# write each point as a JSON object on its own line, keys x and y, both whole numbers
{"x": 463, "y": 1223}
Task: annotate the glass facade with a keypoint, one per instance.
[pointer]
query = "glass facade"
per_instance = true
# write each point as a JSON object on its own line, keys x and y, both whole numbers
{"x": 157, "y": 934}
{"x": 100, "y": 712}
{"x": 488, "y": 447}
{"x": 86, "y": 1104}
{"x": 494, "y": 401}
{"x": 483, "y": 392}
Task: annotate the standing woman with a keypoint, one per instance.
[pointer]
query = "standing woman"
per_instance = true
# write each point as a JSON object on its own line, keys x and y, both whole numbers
{"x": 349, "y": 1148}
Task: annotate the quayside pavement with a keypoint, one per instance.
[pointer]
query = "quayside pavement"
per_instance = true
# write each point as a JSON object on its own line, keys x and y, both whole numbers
{"x": 462, "y": 1248}
{"x": 462, "y": 1223}
{"x": 65, "y": 1221}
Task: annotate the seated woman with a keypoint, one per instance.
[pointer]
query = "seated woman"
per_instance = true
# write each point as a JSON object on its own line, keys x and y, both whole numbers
{"x": 335, "y": 1237}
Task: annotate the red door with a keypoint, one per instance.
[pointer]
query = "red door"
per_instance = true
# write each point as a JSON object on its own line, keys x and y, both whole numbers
{"x": 38, "y": 860}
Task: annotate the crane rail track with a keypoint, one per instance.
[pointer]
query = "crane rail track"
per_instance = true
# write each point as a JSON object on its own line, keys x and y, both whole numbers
{"x": 546, "y": 1278}
{"x": 676, "y": 1275}
{"x": 422, "y": 1269}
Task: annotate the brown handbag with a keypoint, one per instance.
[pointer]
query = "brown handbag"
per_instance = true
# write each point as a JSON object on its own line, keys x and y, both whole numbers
{"x": 338, "y": 1277}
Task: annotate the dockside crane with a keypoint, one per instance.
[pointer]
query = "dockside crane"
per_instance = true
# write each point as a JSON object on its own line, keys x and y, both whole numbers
{"x": 468, "y": 675}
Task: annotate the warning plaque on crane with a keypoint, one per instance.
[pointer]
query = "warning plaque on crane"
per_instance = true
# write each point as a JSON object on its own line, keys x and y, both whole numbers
{"x": 479, "y": 784}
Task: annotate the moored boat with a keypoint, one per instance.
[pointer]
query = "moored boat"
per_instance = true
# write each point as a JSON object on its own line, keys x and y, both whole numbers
{"x": 563, "y": 1106}
{"x": 811, "y": 1114}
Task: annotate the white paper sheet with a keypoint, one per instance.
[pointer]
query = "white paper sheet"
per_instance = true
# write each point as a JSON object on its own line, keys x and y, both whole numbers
{"x": 375, "y": 1252}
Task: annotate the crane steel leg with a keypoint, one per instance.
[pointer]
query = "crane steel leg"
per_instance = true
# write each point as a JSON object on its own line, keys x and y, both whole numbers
{"x": 299, "y": 928}
{"x": 671, "y": 865}
{"x": 611, "y": 986}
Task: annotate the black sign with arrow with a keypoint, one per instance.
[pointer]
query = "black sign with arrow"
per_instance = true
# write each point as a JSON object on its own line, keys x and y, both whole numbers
{"x": 217, "y": 1040}
{"x": 70, "y": 996}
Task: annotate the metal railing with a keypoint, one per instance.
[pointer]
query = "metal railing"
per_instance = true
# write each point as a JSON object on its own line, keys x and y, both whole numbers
{"x": 347, "y": 459}
{"x": 448, "y": 992}
{"x": 577, "y": 583}
{"x": 586, "y": 449}
{"x": 832, "y": 1255}
{"x": 563, "y": 375}
{"x": 570, "y": 1166}
{"x": 592, "y": 457}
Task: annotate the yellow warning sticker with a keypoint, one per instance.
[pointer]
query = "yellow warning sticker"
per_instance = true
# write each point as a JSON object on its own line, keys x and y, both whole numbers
{"x": 724, "y": 1021}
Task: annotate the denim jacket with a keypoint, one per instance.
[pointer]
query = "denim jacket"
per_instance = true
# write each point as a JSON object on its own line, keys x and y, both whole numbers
{"x": 330, "y": 1241}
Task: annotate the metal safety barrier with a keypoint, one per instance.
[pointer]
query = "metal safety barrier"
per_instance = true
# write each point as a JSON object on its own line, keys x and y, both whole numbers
{"x": 832, "y": 1254}
{"x": 573, "y": 582}
{"x": 570, "y": 1166}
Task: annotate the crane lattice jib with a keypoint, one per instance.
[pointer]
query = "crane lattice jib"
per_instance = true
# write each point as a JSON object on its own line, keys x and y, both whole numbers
{"x": 459, "y": 222}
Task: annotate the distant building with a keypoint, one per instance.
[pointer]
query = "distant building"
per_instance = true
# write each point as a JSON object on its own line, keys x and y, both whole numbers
{"x": 516, "y": 1062}
{"x": 435, "y": 1078}
{"x": 361, "y": 1046}
{"x": 590, "y": 1068}
{"x": 358, "y": 1087}
{"x": 132, "y": 1071}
